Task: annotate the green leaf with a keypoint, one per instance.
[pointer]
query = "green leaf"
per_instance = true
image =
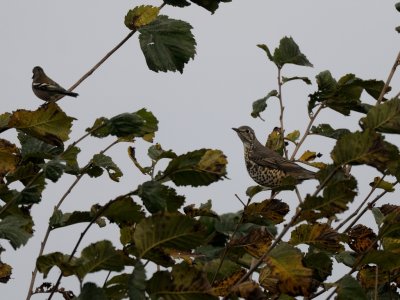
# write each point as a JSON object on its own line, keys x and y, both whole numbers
{"x": 321, "y": 236}
{"x": 95, "y": 257}
{"x": 48, "y": 123}
{"x": 157, "y": 197}
{"x": 289, "y": 52}
{"x": 178, "y": 3}
{"x": 196, "y": 168}
{"x": 124, "y": 286}
{"x": 344, "y": 95}
{"x": 348, "y": 258}
{"x": 34, "y": 184}
{"x": 156, "y": 152}
{"x": 210, "y": 5}
{"x": 140, "y": 16}
{"x": 124, "y": 211}
{"x": 204, "y": 210}
{"x": 70, "y": 156}
{"x": 46, "y": 262}
{"x": 328, "y": 131}
{"x": 366, "y": 147}
{"x": 306, "y": 80}
{"x": 267, "y": 51}
{"x": 138, "y": 124}
{"x": 167, "y": 44}
{"x": 349, "y": 288}
{"x": 253, "y": 190}
{"x": 321, "y": 264}
{"x": 167, "y": 230}
{"x": 384, "y": 117}
{"x": 340, "y": 190}
{"x": 102, "y": 161}
{"x": 91, "y": 291}
{"x": 378, "y": 215}
{"x": 261, "y": 104}
{"x": 60, "y": 219}
{"x": 53, "y": 169}
{"x": 32, "y": 147}
{"x": 184, "y": 282}
{"x": 386, "y": 260}
{"x": 99, "y": 256}
{"x": 137, "y": 282}
{"x": 16, "y": 229}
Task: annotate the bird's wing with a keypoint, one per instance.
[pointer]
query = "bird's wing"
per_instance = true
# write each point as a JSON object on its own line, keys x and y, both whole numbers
{"x": 49, "y": 87}
{"x": 270, "y": 159}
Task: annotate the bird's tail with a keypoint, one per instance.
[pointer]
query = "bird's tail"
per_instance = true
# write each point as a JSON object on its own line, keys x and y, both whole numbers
{"x": 72, "y": 94}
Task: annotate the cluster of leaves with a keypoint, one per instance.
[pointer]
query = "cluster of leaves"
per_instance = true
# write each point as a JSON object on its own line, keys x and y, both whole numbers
{"x": 200, "y": 254}
{"x": 372, "y": 253}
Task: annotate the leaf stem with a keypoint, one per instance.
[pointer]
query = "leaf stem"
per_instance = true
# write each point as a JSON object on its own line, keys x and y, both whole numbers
{"x": 282, "y": 109}
{"x": 307, "y": 131}
{"x": 355, "y": 212}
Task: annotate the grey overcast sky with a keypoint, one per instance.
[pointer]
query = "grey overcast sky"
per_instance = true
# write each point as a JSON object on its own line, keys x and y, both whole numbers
{"x": 196, "y": 109}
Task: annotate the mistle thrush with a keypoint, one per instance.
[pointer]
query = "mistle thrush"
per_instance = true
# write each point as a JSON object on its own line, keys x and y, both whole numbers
{"x": 265, "y": 166}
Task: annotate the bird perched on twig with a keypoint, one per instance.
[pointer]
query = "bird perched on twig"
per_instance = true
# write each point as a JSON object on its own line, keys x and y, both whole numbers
{"x": 265, "y": 166}
{"x": 47, "y": 89}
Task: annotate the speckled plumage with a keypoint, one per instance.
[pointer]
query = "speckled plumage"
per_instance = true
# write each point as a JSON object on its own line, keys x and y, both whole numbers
{"x": 265, "y": 166}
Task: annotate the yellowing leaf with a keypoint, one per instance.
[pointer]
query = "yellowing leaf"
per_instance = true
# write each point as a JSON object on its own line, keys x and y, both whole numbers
{"x": 256, "y": 242}
{"x": 5, "y": 272}
{"x": 321, "y": 236}
{"x": 140, "y": 16}
{"x": 285, "y": 272}
{"x": 275, "y": 140}
{"x": 362, "y": 238}
{"x": 213, "y": 161}
{"x": 271, "y": 209}
{"x": 48, "y": 123}
{"x": 308, "y": 156}
{"x": 222, "y": 287}
{"x": 293, "y": 136}
{"x": 382, "y": 184}
{"x": 9, "y": 157}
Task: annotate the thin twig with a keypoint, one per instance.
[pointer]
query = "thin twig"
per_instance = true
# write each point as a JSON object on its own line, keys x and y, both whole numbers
{"x": 282, "y": 109}
{"x": 49, "y": 228}
{"x": 372, "y": 203}
{"x": 94, "y": 219}
{"x": 307, "y": 131}
{"x": 227, "y": 247}
{"x": 96, "y": 66}
{"x": 355, "y": 212}
{"x": 389, "y": 79}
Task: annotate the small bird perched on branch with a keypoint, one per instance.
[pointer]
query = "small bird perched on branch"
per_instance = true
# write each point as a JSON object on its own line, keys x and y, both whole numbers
{"x": 265, "y": 166}
{"x": 47, "y": 89}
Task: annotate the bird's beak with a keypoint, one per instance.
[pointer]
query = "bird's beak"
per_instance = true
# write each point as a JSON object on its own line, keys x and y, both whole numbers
{"x": 237, "y": 130}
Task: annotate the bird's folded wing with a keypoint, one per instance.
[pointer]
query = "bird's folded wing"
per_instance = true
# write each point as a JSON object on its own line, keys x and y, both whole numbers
{"x": 48, "y": 87}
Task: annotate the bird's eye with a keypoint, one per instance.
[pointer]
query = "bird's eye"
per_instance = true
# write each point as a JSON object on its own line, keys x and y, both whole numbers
{"x": 247, "y": 130}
